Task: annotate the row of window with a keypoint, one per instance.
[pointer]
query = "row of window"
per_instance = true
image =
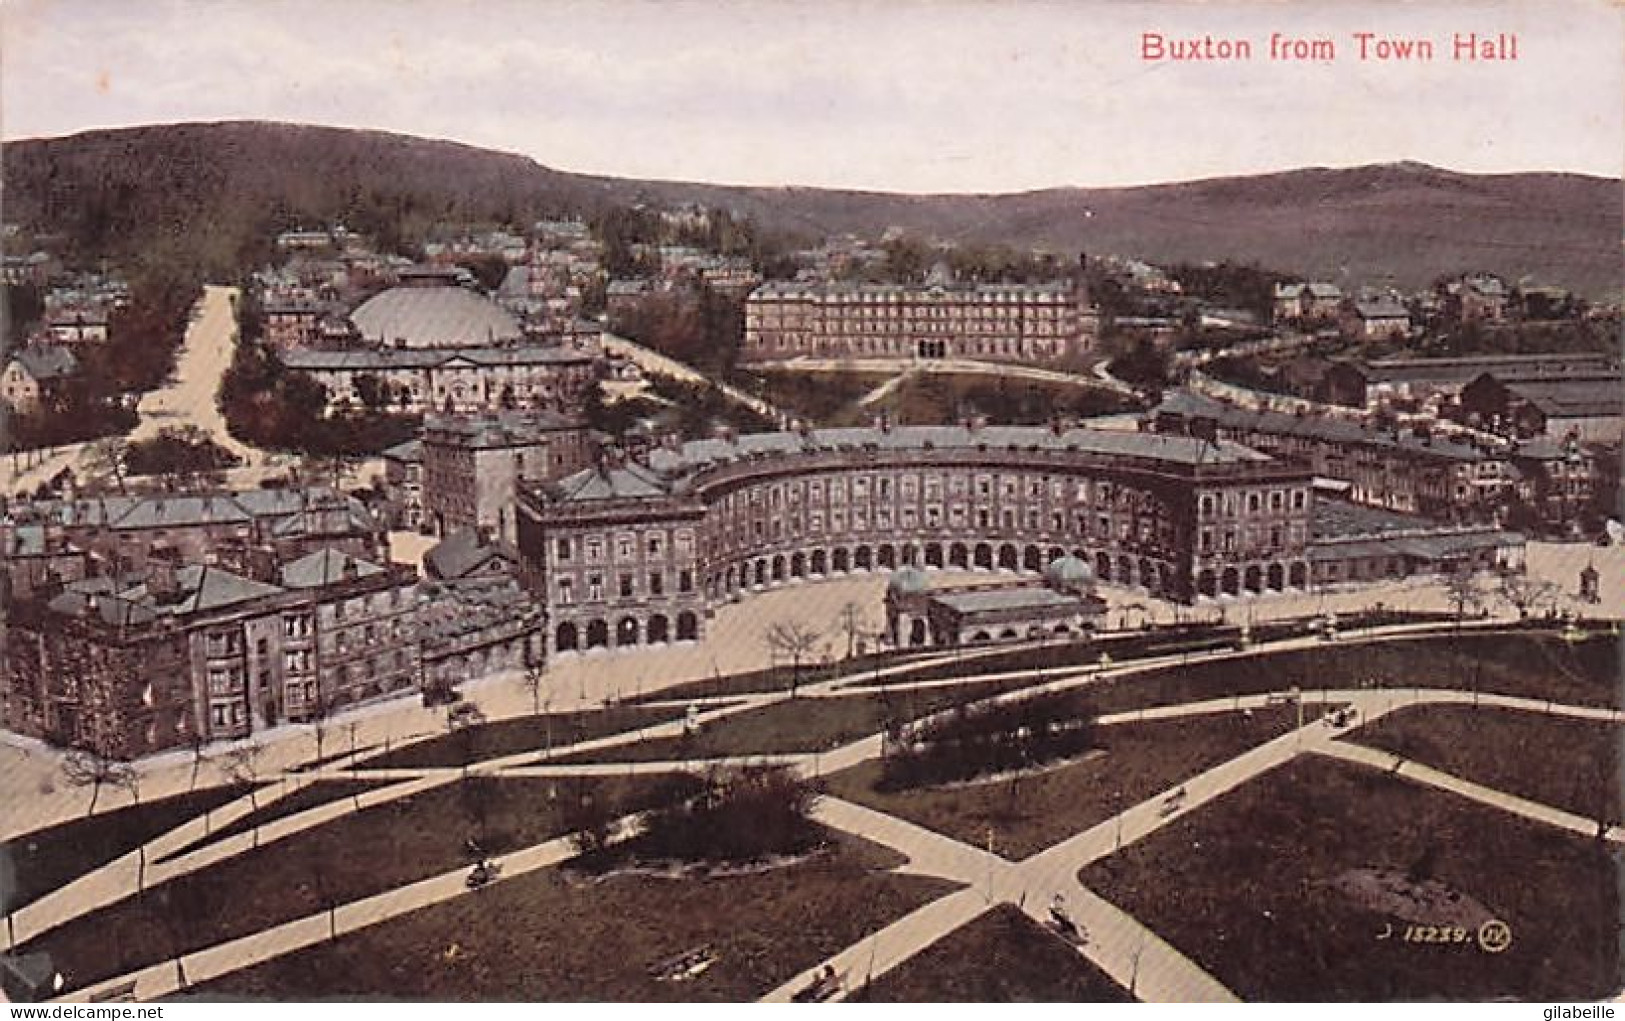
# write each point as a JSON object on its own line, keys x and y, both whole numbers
{"x": 626, "y": 546}
{"x": 888, "y": 299}
{"x": 625, "y": 585}
{"x": 1253, "y": 538}
{"x": 376, "y": 602}
{"x": 746, "y": 533}
{"x": 369, "y": 635}
{"x": 1230, "y": 503}
{"x": 908, "y": 487}
{"x": 227, "y": 714}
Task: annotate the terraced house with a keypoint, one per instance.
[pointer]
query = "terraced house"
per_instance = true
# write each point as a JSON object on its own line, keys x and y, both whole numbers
{"x": 169, "y": 655}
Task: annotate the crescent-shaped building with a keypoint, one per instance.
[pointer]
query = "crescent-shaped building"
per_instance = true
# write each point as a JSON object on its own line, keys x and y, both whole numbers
{"x": 641, "y": 551}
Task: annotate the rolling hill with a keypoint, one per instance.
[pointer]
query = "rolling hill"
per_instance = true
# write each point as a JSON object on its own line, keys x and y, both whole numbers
{"x": 208, "y": 195}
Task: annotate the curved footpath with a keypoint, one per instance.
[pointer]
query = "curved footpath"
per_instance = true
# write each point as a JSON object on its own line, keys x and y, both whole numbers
{"x": 1127, "y": 951}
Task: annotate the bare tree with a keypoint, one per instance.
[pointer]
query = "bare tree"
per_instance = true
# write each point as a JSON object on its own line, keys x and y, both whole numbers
{"x": 131, "y": 781}
{"x": 198, "y": 743}
{"x": 355, "y": 792}
{"x": 1524, "y": 592}
{"x": 106, "y": 458}
{"x": 851, "y": 623}
{"x": 794, "y": 641}
{"x": 242, "y": 765}
{"x": 532, "y": 680}
{"x": 321, "y": 722}
{"x": 85, "y": 767}
{"x": 1462, "y": 590}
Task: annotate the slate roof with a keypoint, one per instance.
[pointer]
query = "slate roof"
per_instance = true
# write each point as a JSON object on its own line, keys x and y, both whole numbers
{"x": 821, "y": 289}
{"x": 1018, "y": 597}
{"x": 47, "y": 361}
{"x": 1331, "y": 430}
{"x": 199, "y": 587}
{"x": 697, "y": 454}
{"x": 212, "y": 588}
{"x": 1381, "y": 308}
{"x": 1544, "y": 448}
{"x": 171, "y": 511}
{"x": 1426, "y": 548}
{"x": 29, "y": 541}
{"x": 461, "y": 553}
{"x": 1333, "y": 519}
{"x": 501, "y": 429}
{"x": 627, "y": 482}
{"x": 1503, "y": 367}
{"x": 324, "y": 567}
{"x": 1573, "y": 398}
{"x": 410, "y": 452}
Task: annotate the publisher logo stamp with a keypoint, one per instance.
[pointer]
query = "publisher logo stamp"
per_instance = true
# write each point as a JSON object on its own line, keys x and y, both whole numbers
{"x": 1494, "y": 936}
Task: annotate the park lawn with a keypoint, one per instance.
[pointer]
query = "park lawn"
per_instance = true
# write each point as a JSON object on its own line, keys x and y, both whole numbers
{"x": 774, "y": 679}
{"x": 549, "y": 936}
{"x": 796, "y": 725}
{"x": 934, "y": 398}
{"x": 1001, "y": 957}
{"x": 340, "y": 756}
{"x": 973, "y": 660}
{"x": 314, "y": 794}
{"x": 1518, "y": 662}
{"x": 51, "y": 858}
{"x": 1530, "y": 665}
{"x": 1567, "y": 763}
{"x": 355, "y": 856}
{"x": 518, "y": 734}
{"x": 1245, "y": 888}
{"x": 1137, "y": 761}
{"x": 823, "y": 398}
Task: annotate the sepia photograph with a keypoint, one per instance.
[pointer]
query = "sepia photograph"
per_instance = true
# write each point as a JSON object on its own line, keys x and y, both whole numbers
{"x": 756, "y": 501}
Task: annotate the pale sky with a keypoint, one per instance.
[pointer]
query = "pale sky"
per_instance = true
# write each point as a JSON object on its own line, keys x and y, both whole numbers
{"x": 894, "y": 95}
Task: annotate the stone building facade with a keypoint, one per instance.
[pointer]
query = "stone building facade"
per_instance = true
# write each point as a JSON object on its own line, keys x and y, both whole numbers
{"x": 1430, "y": 475}
{"x": 171, "y": 654}
{"x": 457, "y": 381}
{"x": 995, "y": 322}
{"x": 471, "y": 465}
{"x": 630, "y": 553}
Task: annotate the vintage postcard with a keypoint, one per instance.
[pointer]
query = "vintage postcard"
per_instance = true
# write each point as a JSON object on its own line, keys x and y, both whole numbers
{"x": 753, "y": 501}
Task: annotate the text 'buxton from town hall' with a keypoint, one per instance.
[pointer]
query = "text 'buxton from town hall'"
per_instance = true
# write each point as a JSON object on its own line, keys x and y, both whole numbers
{"x": 1373, "y": 47}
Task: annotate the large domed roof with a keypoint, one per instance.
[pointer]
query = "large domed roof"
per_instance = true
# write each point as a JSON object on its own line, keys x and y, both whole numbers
{"x": 907, "y": 581}
{"x": 433, "y": 317}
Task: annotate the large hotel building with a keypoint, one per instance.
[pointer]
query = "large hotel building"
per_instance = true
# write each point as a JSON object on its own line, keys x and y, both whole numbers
{"x": 642, "y": 551}
{"x": 992, "y": 322}
{"x": 639, "y": 552}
